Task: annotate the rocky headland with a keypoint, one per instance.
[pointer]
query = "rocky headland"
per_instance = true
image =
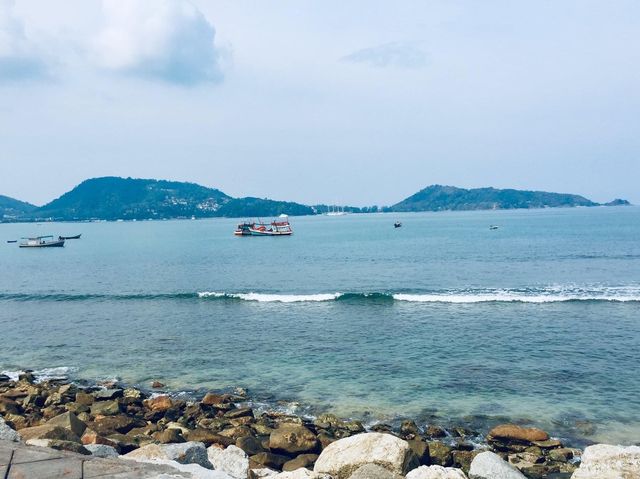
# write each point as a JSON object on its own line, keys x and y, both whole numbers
{"x": 219, "y": 436}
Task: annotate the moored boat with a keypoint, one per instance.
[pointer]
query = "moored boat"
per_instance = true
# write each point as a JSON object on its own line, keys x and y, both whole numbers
{"x": 279, "y": 227}
{"x": 69, "y": 237}
{"x": 41, "y": 242}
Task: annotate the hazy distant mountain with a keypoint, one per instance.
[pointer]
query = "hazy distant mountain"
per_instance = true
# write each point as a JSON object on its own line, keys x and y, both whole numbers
{"x": 438, "y": 197}
{"x": 112, "y": 198}
{"x": 11, "y": 208}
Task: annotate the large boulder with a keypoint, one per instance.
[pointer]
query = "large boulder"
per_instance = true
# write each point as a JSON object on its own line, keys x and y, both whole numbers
{"x": 101, "y": 450}
{"x": 488, "y": 465}
{"x": 105, "y": 408}
{"x": 300, "y": 474}
{"x": 302, "y": 461}
{"x": 232, "y": 460}
{"x": 7, "y": 433}
{"x": 292, "y": 439}
{"x": 603, "y": 461}
{"x": 373, "y": 471}
{"x": 436, "y": 472}
{"x": 345, "y": 456}
{"x": 70, "y": 421}
{"x": 48, "y": 431}
{"x": 512, "y": 437}
{"x": 185, "y": 453}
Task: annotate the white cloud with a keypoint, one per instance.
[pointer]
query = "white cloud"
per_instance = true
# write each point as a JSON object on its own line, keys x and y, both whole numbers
{"x": 396, "y": 54}
{"x": 20, "y": 59}
{"x": 169, "y": 40}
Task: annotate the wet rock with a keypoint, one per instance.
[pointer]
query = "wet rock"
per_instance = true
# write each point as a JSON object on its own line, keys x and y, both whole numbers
{"x": 343, "y": 457}
{"x": 240, "y": 412}
{"x": 488, "y": 465}
{"x": 232, "y": 460}
{"x": 105, "y": 408}
{"x": 463, "y": 459}
{"x": 436, "y": 472}
{"x": 157, "y": 385}
{"x": 435, "y": 432}
{"x": 440, "y": 453}
{"x": 101, "y": 450}
{"x": 48, "y": 431}
{"x": 302, "y": 461}
{"x": 421, "y": 449}
{"x": 373, "y": 471}
{"x": 250, "y": 445}
{"x": 512, "y": 437}
{"x": 268, "y": 459}
{"x": 70, "y": 421}
{"x": 110, "y": 393}
{"x": 325, "y": 439}
{"x": 604, "y": 461}
{"x": 292, "y": 439}
{"x": 7, "y": 433}
{"x": 213, "y": 399}
{"x": 186, "y": 453}
{"x": 563, "y": 454}
{"x": 409, "y": 429}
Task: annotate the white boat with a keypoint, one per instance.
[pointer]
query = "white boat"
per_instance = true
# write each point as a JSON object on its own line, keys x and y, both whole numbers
{"x": 41, "y": 242}
{"x": 277, "y": 227}
{"x": 336, "y": 211}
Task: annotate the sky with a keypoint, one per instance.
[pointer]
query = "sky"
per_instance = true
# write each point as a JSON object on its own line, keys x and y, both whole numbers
{"x": 362, "y": 102}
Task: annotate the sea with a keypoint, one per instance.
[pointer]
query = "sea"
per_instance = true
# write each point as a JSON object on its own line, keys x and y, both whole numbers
{"x": 443, "y": 320}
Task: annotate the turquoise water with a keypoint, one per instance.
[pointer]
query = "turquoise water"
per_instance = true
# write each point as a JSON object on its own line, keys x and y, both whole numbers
{"x": 442, "y": 319}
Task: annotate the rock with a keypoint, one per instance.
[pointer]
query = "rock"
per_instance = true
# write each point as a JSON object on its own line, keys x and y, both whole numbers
{"x": 59, "y": 445}
{"x": 157, "y": 385}
{"x": 302, "y": 461}
{"x": 440, "y": 453}
{"x": 9, "y": 406}
{"x": 240, "y": 412}
{"x": 7, "y": 433}
{"x": 84, "y": 398}
{"x": 232, "y": 460}
{"x": 604, "y": 461}
{"x": 208, "y": 437}
{"x": 213, "y": 399}
{"x": 111, "y": 424}
{"x": 435, "y": 432}
{"x": 373, "y": 471}
{"x": 463, "y": 459}
{"x": 436, "y": 472}
{"x": 159, "y": 403}
{"x": 292, "y": 439}
{"x": 421, "y": 450}
{"x": 92, "y": 437}
{"x": 250, "y": 445}
{"x": 505, "y": 436}
{"x": 488, "y": 465}
{"x": 268, "y": 459}
{"x": 105, "y": 408}
{"x": 345, "y": 456}
{"x": 185, "y": 453}
{"x": 409, "y": 428}
{"x": 262, "y": 472}
{"x": 169, "y": 436}
{"x": 48, "y": 431}
{"x": 563, "y": 454}
{"x": 104, "y": 394}
{"x": 301, "y": 474}
{"x": 101, "y": 450}
{"x": 70, "y": 421}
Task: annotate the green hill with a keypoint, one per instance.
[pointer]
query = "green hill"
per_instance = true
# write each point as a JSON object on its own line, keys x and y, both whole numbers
{"x": 438, "y": 197}
{"x": 11, "y": 208}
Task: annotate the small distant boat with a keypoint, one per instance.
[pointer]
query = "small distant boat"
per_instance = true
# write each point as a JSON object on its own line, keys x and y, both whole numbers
{"x": 493, "y": 227}
{"x": 41, "y": 242}
{"x": 397, "y": 224}
{"x": 12, "y": 241}
{"x": 335, "y": 211}
{"x": 69, "y": 237}
{"x": 279, "y": 227}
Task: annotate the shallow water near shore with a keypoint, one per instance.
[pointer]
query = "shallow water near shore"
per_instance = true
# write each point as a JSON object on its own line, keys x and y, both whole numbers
{"x": 442, "y": 319}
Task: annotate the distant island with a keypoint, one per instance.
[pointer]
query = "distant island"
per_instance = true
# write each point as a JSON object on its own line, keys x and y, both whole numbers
{"x": 114, "y": 198}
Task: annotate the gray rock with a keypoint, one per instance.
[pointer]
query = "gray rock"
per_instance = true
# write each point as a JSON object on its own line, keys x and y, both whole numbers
{"x": 104, "y": 394}
{"x": 373, "y": 471}
{"x": 184, "y": 453}
{"x": 436, "y": 472}
{"x": 488, "y": 465}
{"x": 7, "y": 433}
{"x": 603, "y": 461}
{"x": 101, "y": 450}
{"x": 70, "y": 421}
{"x": 232, "y": 460}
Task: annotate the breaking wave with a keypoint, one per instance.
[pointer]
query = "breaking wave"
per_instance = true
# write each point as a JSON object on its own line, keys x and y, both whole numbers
{"x": 540, "y": 295}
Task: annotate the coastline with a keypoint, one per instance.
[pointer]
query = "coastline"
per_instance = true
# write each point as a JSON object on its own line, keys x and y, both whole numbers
{"x": 127, "y": 418}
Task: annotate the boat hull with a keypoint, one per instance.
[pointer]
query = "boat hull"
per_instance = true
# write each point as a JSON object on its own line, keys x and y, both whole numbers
{"x": 49, "y": 244}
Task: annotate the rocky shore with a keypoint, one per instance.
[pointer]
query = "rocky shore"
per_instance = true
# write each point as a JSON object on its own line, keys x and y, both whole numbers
{"x": 218, "y": 436}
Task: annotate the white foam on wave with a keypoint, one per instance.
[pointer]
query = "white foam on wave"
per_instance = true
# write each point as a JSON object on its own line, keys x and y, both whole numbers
{"x": 46, "y": 374}
{"x": 274, "y": 298}
{"x": 511, "y": 297}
